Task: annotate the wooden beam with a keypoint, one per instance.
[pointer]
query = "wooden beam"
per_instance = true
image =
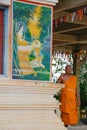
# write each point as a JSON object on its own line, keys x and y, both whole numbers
{"x": 70, "y": 29}
{"x": 69, "y": 47}
{"x": 82, "y": 42}
{"x": 66, "y": 48}
{"x": 63, "y": 13}
{"x": 65, "y": 37}
{"x": 69, "y": 4}
{"x": 57, "y": 14}
{"x": 70, "y": 38}
{"x": 82, "y": 38}
{"x": 58, "y": 43}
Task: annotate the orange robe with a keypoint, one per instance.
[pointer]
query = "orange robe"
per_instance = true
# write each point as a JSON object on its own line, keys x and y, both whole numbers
{"x": 69, "y": 110}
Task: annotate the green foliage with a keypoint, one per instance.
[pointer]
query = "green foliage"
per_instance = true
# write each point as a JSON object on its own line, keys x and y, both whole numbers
{"x": 22, "y": 13}
{"x": 40, "y": 76}
{"x": 45, "y": 22}
{"x": 57, "y": 96}
{"x": 83, "y": 86}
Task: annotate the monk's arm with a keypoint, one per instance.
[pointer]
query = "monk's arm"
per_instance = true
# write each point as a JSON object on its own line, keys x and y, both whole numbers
{"x": 59, "y": 79}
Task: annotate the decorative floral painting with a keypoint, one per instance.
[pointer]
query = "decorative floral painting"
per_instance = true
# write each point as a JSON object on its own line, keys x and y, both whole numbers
{"x": 32, "y": 31}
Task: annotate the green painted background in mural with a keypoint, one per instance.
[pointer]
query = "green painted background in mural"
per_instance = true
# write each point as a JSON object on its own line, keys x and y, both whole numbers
{"x": 32, "y": 27}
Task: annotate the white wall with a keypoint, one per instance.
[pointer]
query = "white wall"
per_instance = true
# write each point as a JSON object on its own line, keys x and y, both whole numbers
{"x": 29, "y": 107}
{"x": 5, "y": 2}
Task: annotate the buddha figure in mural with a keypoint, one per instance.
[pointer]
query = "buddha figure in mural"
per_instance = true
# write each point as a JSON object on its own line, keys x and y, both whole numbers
{"x": 24, "y": 50}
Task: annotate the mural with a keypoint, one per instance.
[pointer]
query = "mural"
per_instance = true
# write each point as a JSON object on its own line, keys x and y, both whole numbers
{"x": 31, "y": 41}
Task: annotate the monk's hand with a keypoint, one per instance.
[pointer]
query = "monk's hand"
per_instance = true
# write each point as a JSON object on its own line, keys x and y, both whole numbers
{"x": 78, "y": 102}
{"x": 78, "y": 98}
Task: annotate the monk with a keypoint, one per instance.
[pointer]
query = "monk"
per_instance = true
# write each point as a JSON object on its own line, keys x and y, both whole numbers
{"x": 70, "y": 99}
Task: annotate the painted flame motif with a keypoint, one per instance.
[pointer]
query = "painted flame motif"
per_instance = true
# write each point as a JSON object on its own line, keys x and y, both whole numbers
{"x": 33, "y": 23}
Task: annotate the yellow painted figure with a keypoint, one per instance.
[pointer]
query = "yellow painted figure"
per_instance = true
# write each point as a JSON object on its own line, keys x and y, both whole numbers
{"x": 24, "y": 50}
{"x": 37, "y": 62}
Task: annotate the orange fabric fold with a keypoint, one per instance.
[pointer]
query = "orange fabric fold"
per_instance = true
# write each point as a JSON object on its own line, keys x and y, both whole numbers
{"x": 69, "y": 102}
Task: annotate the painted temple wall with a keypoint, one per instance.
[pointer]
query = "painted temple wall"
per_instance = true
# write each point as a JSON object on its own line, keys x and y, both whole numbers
{"x": 27, "y": 104}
